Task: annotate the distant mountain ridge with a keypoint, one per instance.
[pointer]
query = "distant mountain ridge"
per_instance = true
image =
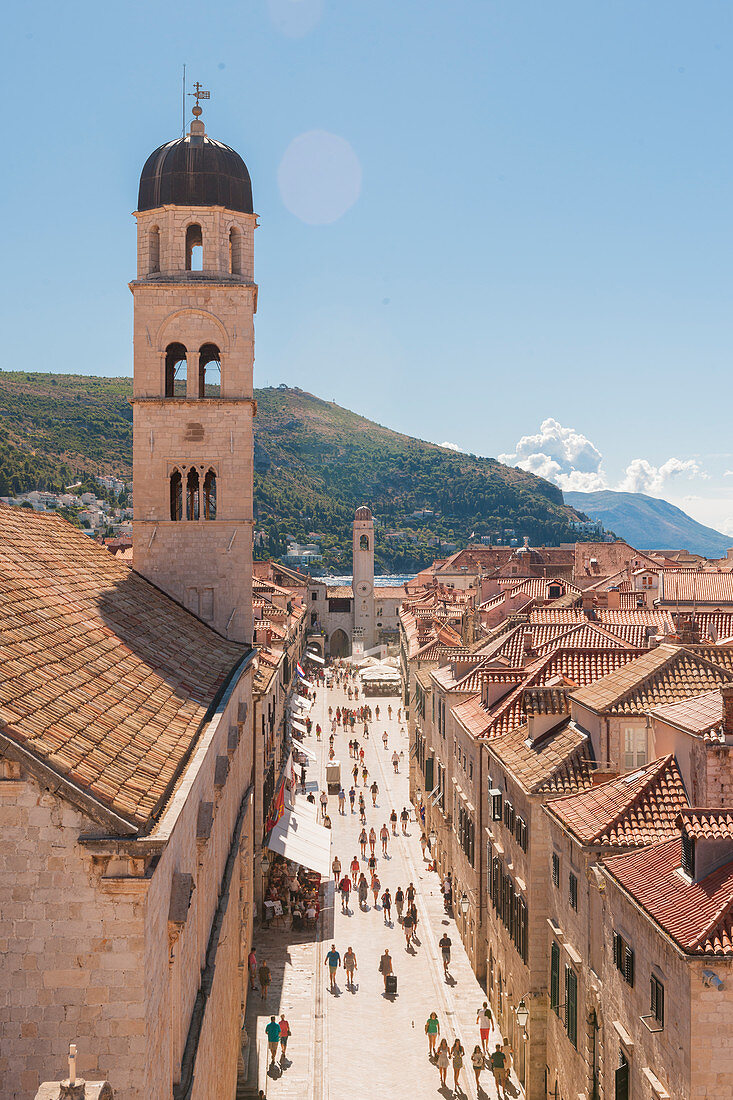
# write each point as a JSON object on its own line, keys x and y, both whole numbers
{"x": 315, "y": 463}
{"x": 649, "y": 523}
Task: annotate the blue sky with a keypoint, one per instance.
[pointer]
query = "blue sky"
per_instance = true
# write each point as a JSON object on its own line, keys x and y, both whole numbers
{"x": 538, "y": 228}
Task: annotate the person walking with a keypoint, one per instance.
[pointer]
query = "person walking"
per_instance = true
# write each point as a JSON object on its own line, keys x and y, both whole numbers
{"x": 404, "y": 818}
{"x": 345, "y": 888}
{"x": 413, "y": 914}
{"x": 385, "y": 740}
{"x": 410, "y": 894}
{"x": 363, "y": 890}
{"x": 284, "y": 1036}
{"x": 376, "y": 886}
{"x": 372, "y": 840}
{"x": 423, "y": 844}
{"x": 498, "y": 1068}
{"x": 327, "y": 822}
{"x": 336, "y": 868}
{"x": 442, "y": 1060}
{"x": 365, "y": 774}
{"x": 407, "y": 926}
{"x": 350, "y": 966}
{"x": 252, "y": 965}
{"x": 342, "y": 802}
{"x": 324, "y": 803}
{"x": 355, "y": 773}
{"x": 393, "y": 821}
{"x": 396, "y": 761}
{"x": 302, "y": 780}
{"x": 265, "y": 978}
{"x": 387, "y": 906}
{"x": 478, "y": 1061}
{"x": 332, "y": 961}
{"x": 385, "y": 967}
{"x": 354, "y": 868}
{"x": 483, "y": 1019}
{"x": 273, "y": 1038}
{"x": 432, "y": 1030}
{"x": 361, "y": 755}
{"x": 372, "y": 864}
{"x": 456, "y": 1054}
{"x": 444, "y": 943}
{"x": 352, "y": 797}
{"x": 374, "y": 789}
{"x": 399, "y": 900}
{"x": 384, "y": 837}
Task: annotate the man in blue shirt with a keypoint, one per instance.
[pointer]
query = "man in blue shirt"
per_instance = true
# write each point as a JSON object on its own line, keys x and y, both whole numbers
{"x": 333, "y": 961}
{"x": 273, "y": 1037}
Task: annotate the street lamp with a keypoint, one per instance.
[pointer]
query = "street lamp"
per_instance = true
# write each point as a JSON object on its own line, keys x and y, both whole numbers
{"x": 418, "y": 795}
{"x": 522, "y": 1014}
{"x": 464, "y": 903}
{"x": 432, "y": 837}
{"x": 265, "y": 863}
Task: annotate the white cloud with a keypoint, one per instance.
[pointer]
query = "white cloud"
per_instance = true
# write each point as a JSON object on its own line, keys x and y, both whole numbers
{"x": 452, "y": 447}
{"x": 569, "y": 459}
{"x": 562, "y": 455}
{"x": 642, "y": 477}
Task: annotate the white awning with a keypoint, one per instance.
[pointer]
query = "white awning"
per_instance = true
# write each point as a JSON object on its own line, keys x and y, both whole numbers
{"x": 305, "y": 683}
{"x": 300, "y": 747}
{"x": 303, "y": 841}
{"x": 314, "y": 657}
{"x": 298, "y": 725}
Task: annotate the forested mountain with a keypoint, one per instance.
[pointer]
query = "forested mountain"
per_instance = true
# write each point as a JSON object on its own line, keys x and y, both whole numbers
{"x": 315, "y": 462}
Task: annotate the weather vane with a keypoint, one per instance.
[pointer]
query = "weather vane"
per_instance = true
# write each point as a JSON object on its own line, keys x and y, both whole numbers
{"x": 199, "y": 94}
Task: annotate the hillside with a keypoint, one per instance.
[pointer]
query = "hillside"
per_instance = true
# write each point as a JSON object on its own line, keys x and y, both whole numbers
{"x": 315, "y": 462}
{"x": 649, "y": 523}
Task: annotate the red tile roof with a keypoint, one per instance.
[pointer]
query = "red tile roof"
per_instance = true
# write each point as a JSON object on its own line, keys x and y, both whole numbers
{"x": 664, "y": 675}
{"x": 629, "y": 811}
{"x": 556, "y": 762}
{"x": 701, "y": 715}
{"x": 695, "y": 586}
{"x": 697, "y": 915}
{"x": 104, "y": 678}
{"x": 706, "y": 824}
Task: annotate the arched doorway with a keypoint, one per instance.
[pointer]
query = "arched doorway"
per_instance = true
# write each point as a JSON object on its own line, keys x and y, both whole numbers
{"x": 339, "y": 645}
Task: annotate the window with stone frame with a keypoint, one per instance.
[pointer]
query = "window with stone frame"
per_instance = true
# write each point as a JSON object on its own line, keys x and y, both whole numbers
{"x": 555, "y": 869}
{"x": 656, "y": 1000}
{"x": 623, "y": 957}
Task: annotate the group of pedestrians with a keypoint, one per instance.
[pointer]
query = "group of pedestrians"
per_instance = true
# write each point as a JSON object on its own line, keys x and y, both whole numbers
{"x": 445, "y": 1056}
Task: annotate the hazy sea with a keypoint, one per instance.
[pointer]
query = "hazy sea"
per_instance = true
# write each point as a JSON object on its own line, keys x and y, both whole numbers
{"x": 387, "y": 580}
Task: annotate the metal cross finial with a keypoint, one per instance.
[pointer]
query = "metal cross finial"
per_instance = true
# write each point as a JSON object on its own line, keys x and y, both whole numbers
{"x": 199, "y": 93}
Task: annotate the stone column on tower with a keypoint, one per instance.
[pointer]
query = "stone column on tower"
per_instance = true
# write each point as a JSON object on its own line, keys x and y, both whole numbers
{"x": 193, "y": 405}
{"x": 363, "y": 578}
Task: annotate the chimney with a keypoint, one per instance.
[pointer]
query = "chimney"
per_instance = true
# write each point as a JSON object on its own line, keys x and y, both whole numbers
{"x": 528, "y": 646}
{"x": 726, "y": 691}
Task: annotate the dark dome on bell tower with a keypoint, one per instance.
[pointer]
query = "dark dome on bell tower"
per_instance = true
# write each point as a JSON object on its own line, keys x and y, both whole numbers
{"x": 195, "y": 170}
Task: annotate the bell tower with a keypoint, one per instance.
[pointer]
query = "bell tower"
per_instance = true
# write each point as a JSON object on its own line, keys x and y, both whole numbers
{"x": 363, "y": 579}
{"x": 193, "y": 406}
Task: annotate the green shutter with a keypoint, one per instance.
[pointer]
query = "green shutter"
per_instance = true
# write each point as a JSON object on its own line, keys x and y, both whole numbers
{"x": 429, "y": 774}
{"x": 571, "y": 1004}
{"x": 554, "y": 976}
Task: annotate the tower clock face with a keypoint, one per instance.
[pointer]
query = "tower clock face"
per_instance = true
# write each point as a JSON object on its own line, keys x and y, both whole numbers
{"x": 363, "y": 588}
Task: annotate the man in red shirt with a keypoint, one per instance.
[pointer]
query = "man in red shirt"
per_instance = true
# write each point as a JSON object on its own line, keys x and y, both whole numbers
{"x": 345, "y": 888}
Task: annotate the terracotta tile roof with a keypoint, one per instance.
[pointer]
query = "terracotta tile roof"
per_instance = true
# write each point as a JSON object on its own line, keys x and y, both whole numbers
{"x": 719, "y": 654}
{"x": 714, "y": 626}
{"x": 629, "y": 811}
{"x": 547, "y": 700}
{"x": 697, "y": 915}
{"x": 556, "y": 615}
{"x": 694, "y": 586}
{"x": 557, "y": 762}
{"x": 339, "y": 592}
{"x": 663, "y": 675}
{"x": 706, "y": 824}
{"x": 701, "y": 715}
{"x": 104, "y": 677}
{"x": 585, "y": 635}
{"x": 569, "y": 666}
{"x": 537, "y": 587}
{"x": 609, "y": 558}
{"x": 661, "y": 621}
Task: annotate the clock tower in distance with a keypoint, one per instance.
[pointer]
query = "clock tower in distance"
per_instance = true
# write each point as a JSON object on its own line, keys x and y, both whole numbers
{"x": 363, "y": 580}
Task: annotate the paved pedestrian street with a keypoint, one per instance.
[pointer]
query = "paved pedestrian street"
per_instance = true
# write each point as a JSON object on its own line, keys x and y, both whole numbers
{"x": 358, "y": 1041}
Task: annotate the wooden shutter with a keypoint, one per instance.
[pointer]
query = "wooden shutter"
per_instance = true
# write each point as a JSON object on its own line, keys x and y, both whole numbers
{"x": 429, "y": 774}
{"x": 554, "y": 976}
{"x": 622, "y": 1082}
{"x": 628, "y": 964}
{"x": 571, "y": 1004}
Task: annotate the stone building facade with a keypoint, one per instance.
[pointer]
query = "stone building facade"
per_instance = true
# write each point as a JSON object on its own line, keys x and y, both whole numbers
{"x": 126, "y": 744}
